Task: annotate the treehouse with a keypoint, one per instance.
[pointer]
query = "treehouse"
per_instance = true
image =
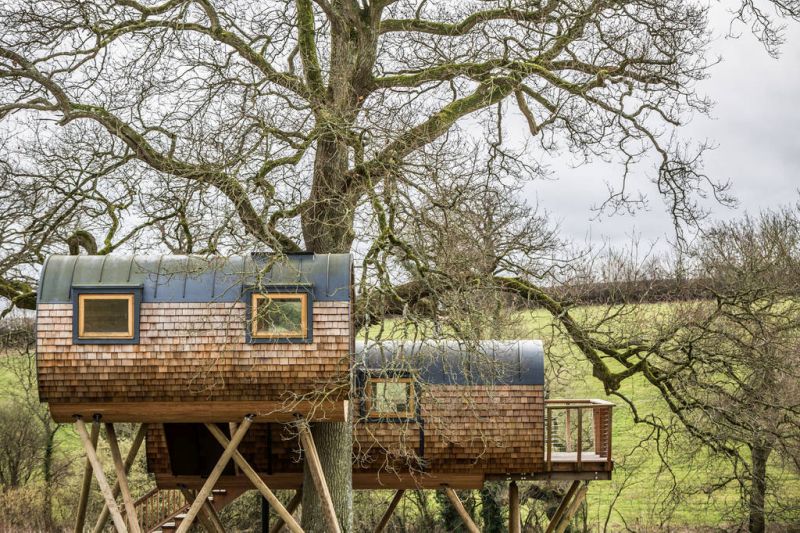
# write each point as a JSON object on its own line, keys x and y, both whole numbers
{"x": 226, "y": 361}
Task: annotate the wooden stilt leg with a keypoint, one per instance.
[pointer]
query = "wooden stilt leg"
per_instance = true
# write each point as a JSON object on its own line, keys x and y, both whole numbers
{"x": 122, "y": 479}
{"x": 86, "y": 485}
{"x": 208, "y": 517}
{"x": 293, "y": 504}
{"x": 105, "y": 489}
{"x": 129, "y": 460}
{"x": 213, "y": 477}
{"x": 562, "y": 507}
{"x": 388, "y": 514}
{"x": 573, "y": 508}
{"x": 232, "y": 427}
{"x": 514, "y": 525}
{"x": 256, "y": 480}
{"x": 310, "y": 450}
{"x": 465, "y": 517}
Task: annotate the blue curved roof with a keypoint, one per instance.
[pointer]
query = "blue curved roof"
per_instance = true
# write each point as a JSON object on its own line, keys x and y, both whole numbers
{"x": 181, "y": 278}
{"x": 458, "y": 363}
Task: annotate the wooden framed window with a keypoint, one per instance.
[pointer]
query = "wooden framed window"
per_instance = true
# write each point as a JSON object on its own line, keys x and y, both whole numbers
{"x": 106, "y": 316}
{"x": 390, "y": 397}
{"x": 279, "y": 316}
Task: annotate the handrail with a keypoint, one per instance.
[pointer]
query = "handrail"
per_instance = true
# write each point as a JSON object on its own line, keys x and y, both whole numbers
{"x": 601, "y": 421}
{"x": 157, "y": 506}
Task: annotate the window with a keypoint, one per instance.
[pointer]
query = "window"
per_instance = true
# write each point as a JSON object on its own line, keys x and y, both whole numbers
{"x": 390, "y": 398}
{"x": 279, "y": 316}
{"x": 106, "y": 316}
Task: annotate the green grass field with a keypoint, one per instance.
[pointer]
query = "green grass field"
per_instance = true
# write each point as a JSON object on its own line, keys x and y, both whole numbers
{"x": 641, "y": 492}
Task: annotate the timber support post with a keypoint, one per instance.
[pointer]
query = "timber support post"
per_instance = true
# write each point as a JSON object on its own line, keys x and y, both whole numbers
{"x": 388, "y": 514}
{"x": 514, "y": 524}
{"x": 255, "y": 479}
{"x": 105, "y": 488}
{"x": 213, "y": 477}
{"x": 208, "y": 516}
{"x": 129, "y": 460}
{"x": 314, "y": 465}
{"x": 465, "y": 517}
{"x": 86, "y": 484}
{"x": 122, "y": 478}
{"x": 293, "y": 504}
{"x": 568, "y": 507}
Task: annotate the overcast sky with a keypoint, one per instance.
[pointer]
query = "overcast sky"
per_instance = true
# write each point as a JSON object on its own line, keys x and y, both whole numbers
{"x": 756, "y": 125}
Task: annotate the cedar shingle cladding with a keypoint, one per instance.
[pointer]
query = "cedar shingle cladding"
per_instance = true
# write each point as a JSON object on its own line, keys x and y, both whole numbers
{"x": 192, "y": 331}
{"x": 468, "y": 429}
{"x": 189, "y": 351}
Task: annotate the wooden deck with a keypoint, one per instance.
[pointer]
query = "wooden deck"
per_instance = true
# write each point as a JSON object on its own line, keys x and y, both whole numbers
{"x": 578, "y": 439}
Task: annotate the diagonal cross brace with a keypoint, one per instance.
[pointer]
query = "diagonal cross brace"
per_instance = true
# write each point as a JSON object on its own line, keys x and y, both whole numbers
{"x": 213, "y": 477}
{"x": 105, "y": 488}
{"x": 254, "y": 478}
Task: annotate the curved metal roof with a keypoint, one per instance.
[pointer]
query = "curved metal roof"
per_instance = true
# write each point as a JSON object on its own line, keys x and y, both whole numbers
{"x": 180, "y": 278}
{"x": 459, "y": 363}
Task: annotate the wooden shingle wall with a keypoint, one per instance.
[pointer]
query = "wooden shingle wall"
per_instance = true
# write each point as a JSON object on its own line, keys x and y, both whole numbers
{"x": 468, "y": 429}
{"x": 492, "y": 429}
{"x": 189, "y": 352}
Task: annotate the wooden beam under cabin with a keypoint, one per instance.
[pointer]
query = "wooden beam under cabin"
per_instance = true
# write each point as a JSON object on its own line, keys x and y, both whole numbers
{"x": 122, "y": 478}
{"x": 97, "y": 468}
{"x": 389, "y": 511}
{"x": 253, "y": 476}
{"x": 86, "y": 484}
{"x": 465, "y": 517}
{"x": 562, "y": 507}
{"x": 202, "y": 411}
{"x": 294, "y": 503}
{"x": 573, "y": 508}
{"x": 208, "y": 517}
{"x": 361, "y": 480}
{"x": 314, "y": 465}
{"x": 100, "y": 525}
{"x": 216, "y": 472}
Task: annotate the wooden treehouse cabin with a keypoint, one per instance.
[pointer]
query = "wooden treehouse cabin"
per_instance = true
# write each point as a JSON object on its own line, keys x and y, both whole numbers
{"x": 225, "y": 361}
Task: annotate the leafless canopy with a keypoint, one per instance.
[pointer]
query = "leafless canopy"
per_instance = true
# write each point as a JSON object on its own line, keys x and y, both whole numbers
{"x": 200, "y": 124}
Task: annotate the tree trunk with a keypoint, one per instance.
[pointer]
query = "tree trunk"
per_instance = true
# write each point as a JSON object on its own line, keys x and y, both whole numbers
{"x": 758, "y": 486}
{"x": 327, "y": 223}
{"x": 334, "y": 442}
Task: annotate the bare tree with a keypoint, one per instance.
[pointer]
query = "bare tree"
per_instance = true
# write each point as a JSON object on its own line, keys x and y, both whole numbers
{"x": 747, "y": 346}
{"x": 199, "y": 125}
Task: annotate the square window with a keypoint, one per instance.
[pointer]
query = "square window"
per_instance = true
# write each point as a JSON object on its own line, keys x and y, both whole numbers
{"x": 105, "y": 316}
{"x": 390, "y": 398}
{"x": 279, "y": 316}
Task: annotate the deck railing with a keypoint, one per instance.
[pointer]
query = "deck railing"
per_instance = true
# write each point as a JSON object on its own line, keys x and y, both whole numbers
{"x": 578, "y": 431}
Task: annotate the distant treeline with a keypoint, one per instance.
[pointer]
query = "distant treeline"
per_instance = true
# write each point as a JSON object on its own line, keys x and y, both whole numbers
{"x": 639, "y": 291}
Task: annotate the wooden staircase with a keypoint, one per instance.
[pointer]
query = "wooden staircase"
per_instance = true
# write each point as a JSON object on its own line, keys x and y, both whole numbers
{"x": 162, "y": 510}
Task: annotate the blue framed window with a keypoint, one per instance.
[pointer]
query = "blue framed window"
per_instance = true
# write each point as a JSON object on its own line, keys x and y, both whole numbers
{"x": 280, "y": 314}
{"x": 106, "y": 315}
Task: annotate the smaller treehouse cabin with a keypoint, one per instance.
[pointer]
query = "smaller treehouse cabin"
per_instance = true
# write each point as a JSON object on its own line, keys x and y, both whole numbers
{"x": 226, "y": 361}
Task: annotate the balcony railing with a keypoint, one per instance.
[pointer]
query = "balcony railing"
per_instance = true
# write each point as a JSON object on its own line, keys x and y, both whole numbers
{"x": 578, "y": 435}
